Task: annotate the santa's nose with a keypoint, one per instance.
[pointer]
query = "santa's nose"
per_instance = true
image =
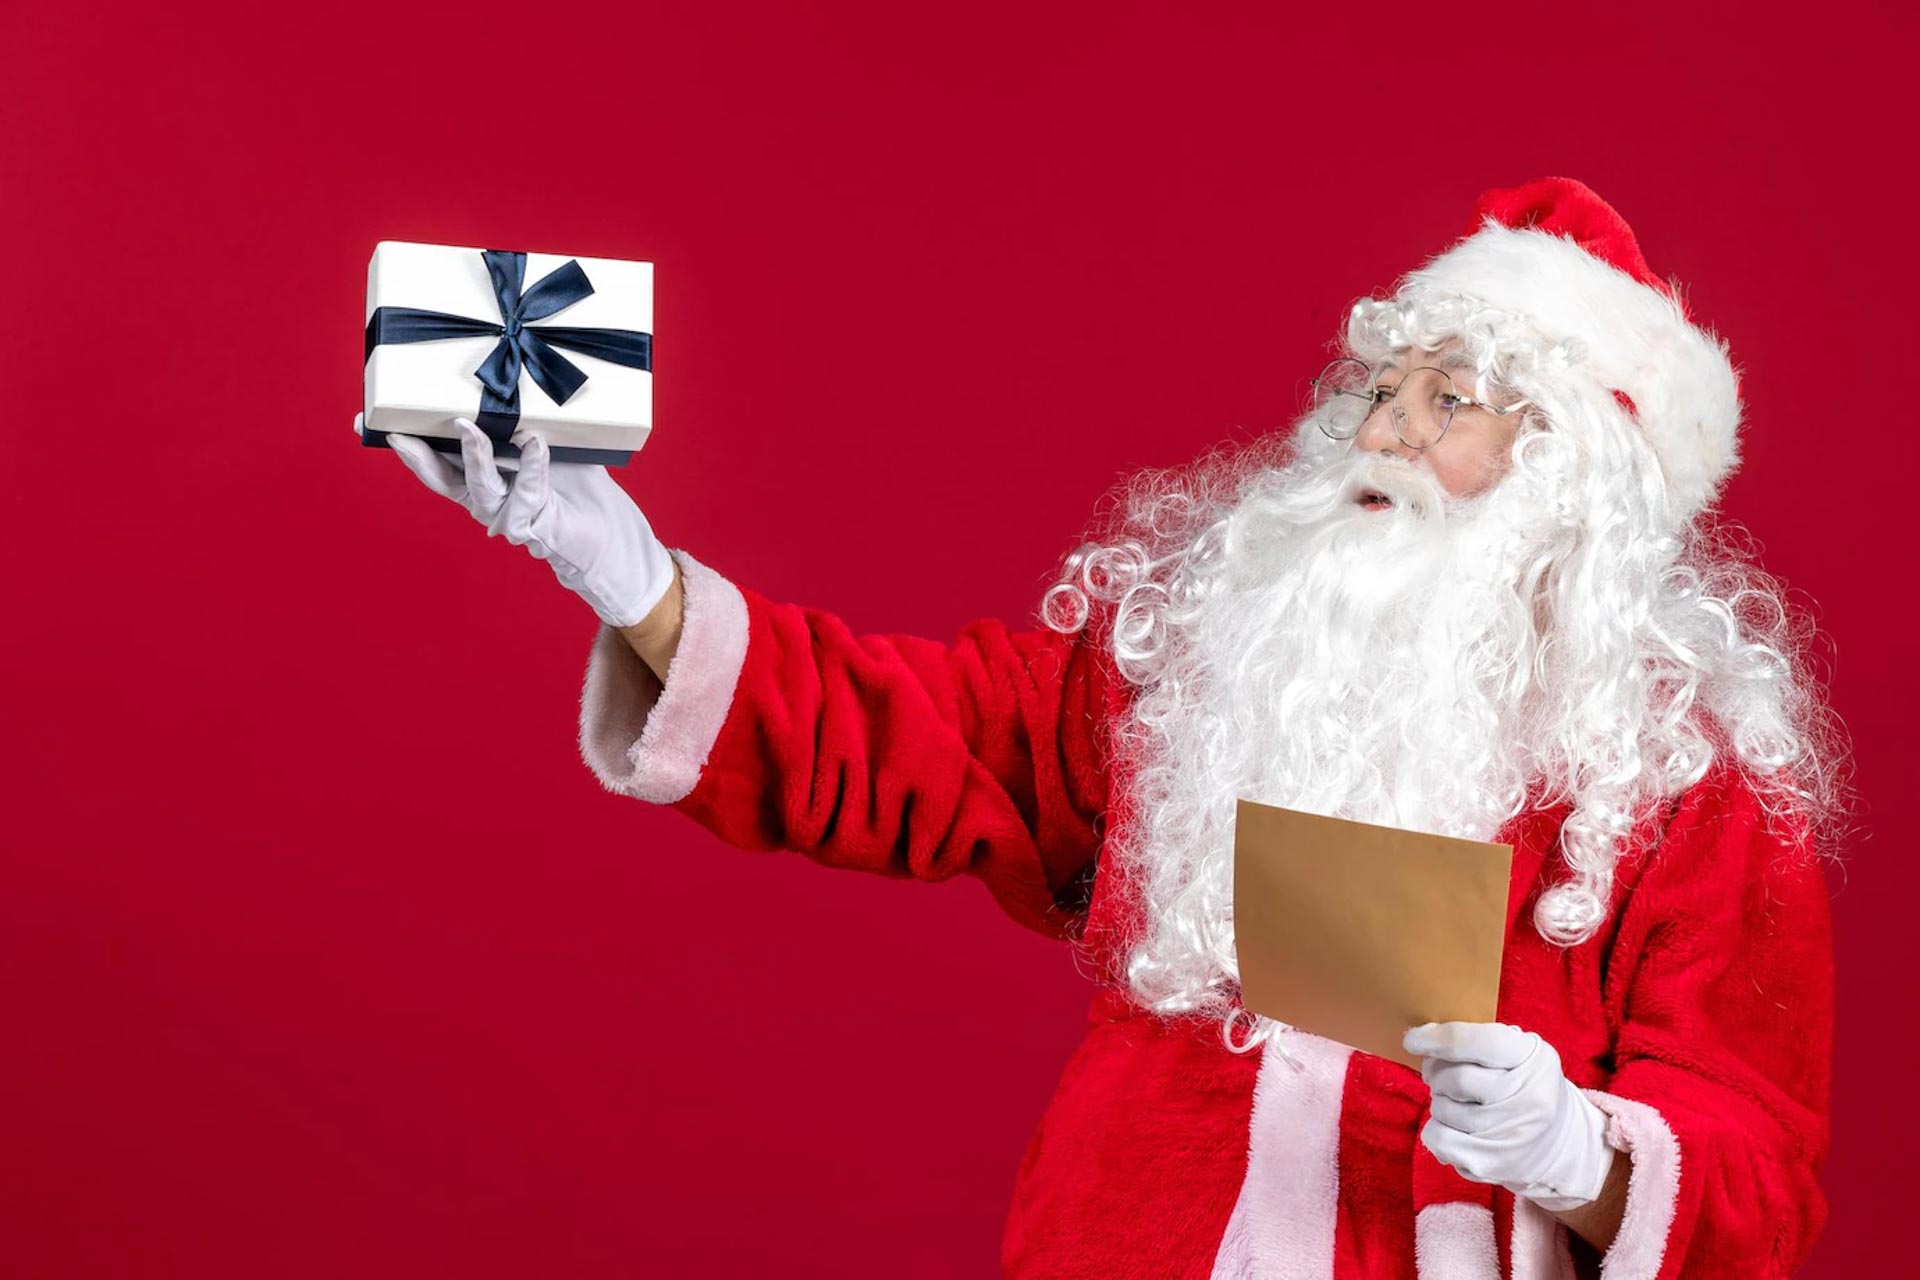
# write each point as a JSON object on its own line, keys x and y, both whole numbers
{"x": 1377, "y": 435}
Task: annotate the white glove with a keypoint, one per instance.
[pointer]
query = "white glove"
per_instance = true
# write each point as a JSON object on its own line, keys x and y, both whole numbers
{"x": 573, "y": 515}
{"x": 1503, "y": 1113}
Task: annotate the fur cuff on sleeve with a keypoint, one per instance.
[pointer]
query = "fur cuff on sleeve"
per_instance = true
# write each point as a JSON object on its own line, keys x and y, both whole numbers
{"x": 650, "y": 742}
{"x": 1652, "y": 1192}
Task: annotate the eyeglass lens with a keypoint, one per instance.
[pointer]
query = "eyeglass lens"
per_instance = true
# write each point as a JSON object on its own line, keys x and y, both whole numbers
{"x": 1419, "y": 403}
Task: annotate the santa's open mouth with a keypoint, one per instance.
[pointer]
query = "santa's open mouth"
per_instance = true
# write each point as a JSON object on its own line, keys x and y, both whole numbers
{"x": 1373, "y": 500}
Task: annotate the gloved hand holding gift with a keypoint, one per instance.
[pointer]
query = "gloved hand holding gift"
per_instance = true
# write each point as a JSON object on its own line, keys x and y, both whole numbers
{"x": 573, "y": 515}
{"x": 460, "y": 358}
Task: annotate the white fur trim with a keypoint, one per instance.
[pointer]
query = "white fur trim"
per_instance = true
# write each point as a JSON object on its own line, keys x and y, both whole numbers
{"x": 1538, "y": 1248}
{"x": 1653, "y": 1190}
{"x": 1282, "y": 1224}
{"x": 1233, "y": 1260}
{"x": 1638, "y": 341}
{"x": 1454, "y": 1241}
{"x": 650, "y": 742}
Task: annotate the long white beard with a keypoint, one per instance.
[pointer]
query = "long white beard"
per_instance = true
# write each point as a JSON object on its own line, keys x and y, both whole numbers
{"x": 1312, "y": 653}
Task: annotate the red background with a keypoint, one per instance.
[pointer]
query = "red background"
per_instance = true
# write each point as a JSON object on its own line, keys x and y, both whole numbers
{"x": 321, "y": 953}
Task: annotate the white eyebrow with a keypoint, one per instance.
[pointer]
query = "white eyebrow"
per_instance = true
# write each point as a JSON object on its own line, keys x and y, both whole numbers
{"x": 1458, "y": 362}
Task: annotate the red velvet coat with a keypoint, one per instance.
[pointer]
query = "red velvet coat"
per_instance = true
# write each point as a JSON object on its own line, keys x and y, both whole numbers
{"x": 1699, "y": 1020}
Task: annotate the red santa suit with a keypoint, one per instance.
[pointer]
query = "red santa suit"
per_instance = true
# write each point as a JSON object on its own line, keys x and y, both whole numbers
{"x": 1699, "y": 1019}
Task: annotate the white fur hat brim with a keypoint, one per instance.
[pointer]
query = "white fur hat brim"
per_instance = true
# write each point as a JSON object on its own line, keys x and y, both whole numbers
{"x": 1682, "y": 386}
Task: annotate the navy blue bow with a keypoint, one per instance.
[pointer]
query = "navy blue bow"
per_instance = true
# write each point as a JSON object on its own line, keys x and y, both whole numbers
{"x": 520, "y": 344}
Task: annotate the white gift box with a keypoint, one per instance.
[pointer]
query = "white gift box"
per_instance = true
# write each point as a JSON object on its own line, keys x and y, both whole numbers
{"x": 435, "y": 319}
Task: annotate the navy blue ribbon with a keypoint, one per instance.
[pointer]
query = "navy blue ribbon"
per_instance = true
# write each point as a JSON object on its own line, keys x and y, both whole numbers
{"x": 520, "y": 345}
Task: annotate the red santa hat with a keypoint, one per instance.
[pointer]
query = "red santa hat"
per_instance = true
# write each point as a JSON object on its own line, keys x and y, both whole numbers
{"x": 1556, "y": 253}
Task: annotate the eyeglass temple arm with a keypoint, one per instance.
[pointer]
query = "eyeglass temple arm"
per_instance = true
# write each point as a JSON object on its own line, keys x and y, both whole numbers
{"x": 1500, "y": 410}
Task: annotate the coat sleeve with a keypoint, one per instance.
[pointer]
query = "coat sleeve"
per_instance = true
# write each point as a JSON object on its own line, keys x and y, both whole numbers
{"x": 777, "y": 728}
{"x": 1722, "y": 978}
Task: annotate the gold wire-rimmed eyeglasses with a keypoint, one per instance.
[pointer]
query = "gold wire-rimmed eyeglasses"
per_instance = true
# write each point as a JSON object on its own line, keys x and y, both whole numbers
{"x": 1348, "y": 392}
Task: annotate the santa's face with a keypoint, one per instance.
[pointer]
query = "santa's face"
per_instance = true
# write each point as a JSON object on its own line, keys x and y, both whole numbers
{"x": 1478, "y": 445}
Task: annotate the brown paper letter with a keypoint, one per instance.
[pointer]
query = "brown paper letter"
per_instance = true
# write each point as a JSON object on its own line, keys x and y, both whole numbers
{"x": 1357, "y": 932}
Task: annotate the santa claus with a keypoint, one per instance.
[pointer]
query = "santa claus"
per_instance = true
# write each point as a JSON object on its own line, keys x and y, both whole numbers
{"x": 1471, "y": 593}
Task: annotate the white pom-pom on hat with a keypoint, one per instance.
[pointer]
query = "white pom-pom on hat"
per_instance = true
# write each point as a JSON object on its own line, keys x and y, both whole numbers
{"x": 1555, "y": 252}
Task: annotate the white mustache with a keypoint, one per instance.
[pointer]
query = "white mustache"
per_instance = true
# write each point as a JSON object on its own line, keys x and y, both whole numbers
{"x": 1409, "y": 486}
